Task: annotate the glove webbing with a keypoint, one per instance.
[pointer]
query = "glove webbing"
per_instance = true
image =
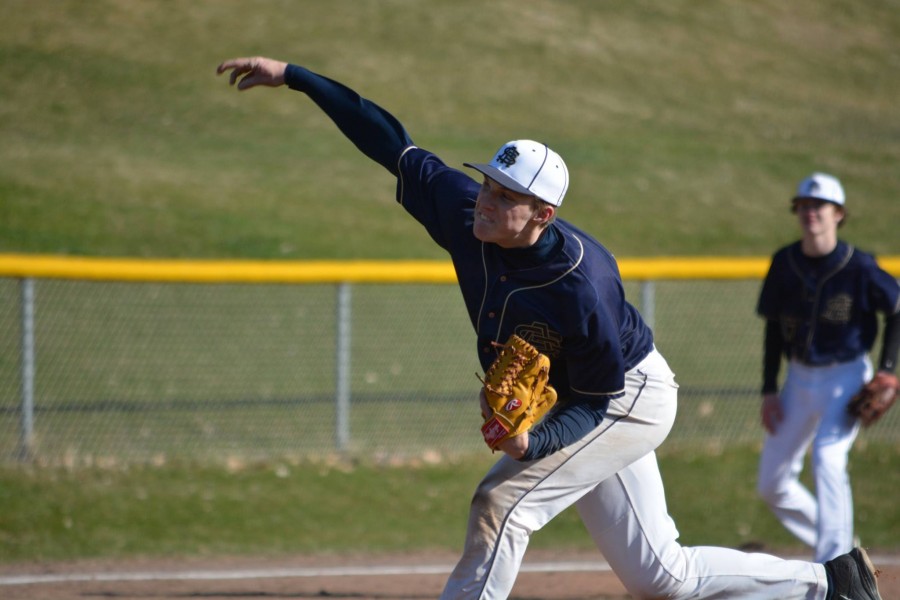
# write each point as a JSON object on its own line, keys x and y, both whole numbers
{"x": 511, "y": 367}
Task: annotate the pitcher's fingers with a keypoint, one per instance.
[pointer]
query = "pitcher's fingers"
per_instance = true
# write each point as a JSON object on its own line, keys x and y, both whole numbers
{"x": 250, "y": 74}
{"x": 255, "y": 78}
{"x": 238, "y": 66}
{"x": 229, "y": 64}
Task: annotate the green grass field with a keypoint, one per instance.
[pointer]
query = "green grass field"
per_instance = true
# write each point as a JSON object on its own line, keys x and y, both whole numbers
{"x": 332, "y": 506}
{"x": 685, "y": 127}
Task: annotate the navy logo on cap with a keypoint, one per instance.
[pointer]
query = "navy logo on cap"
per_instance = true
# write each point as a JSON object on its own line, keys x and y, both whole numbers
{"x": 508, "y": 156}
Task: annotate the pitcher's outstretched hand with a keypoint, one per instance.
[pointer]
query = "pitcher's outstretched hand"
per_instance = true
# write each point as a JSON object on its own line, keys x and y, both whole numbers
{"x": 256, "y": 71}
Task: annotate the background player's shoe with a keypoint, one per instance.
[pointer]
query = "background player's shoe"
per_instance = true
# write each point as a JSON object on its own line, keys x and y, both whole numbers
{"x": 852, "y": 576}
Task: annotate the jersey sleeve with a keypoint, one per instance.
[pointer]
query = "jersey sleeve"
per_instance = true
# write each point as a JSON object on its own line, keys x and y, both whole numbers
{"x": 884, "y": 291}
{"x": 595, "y": 363}
{"x": 595, "y": 369}
{"x": 568, "y": 424}
{"x": 372, "y": 129}
{"x": 439, "y": 197}
{"x": 600, "y": 328}
{"x": 768, "y": 303}
{"x": 890, "y": 345}
{"x": 885, "y": 296}
{"x": 604, "y": 335}
{"x": 773, "y": 349}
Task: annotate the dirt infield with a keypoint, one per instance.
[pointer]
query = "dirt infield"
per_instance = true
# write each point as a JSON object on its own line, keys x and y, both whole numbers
{"x": 545, "y": 576}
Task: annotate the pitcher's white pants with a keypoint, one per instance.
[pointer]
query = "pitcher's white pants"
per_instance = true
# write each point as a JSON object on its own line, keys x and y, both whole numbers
{"x": 814, "y": 404}
{"x": 612, "y": 477}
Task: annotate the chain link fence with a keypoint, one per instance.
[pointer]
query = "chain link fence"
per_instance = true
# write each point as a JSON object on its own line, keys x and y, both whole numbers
{"x": 124, "y": 372}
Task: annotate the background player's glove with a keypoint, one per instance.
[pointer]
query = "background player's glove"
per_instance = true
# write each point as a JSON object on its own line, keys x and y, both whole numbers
{"x": 874, "y": 398}
{"x": 516, "y": 391}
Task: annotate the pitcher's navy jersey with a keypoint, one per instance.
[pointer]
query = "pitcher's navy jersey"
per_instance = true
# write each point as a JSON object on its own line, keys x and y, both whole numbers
{"x": 564, "y": 294}
{"x": 827, "y": 307}
{"x": 571, "y": 306}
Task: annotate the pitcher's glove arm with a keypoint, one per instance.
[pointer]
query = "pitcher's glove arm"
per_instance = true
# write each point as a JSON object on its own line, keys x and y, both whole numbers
{"x": 516, "y": 391}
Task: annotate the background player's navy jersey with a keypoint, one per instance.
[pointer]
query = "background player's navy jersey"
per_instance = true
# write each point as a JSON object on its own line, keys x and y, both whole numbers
{"x": 570, "y": 305}
{"x": 827, "y": 307}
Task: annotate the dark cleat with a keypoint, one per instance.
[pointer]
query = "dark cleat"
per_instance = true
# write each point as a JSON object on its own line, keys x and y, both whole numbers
{"x": 852, "y": 576}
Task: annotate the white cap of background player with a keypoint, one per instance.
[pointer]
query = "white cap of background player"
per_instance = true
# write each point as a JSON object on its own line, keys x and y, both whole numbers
{"x": 530, "y": 168}
{"x": 821, "y": 186}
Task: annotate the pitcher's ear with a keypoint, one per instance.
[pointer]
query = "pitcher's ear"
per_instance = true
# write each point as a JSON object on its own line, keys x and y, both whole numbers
{"x": 544, "y": 212}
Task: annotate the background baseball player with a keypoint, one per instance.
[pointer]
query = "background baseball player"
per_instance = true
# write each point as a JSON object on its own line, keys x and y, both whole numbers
{"x": 523, "y": 271}
{"x": 820, "y": 301}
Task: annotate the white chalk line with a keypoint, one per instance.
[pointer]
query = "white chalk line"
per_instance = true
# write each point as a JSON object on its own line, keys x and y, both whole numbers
{"x": 354, "y": 571}
{"x": 212, "y": 575}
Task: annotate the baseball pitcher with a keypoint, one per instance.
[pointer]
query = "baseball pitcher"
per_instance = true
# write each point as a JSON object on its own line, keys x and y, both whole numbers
{"x": 523, "y": 272}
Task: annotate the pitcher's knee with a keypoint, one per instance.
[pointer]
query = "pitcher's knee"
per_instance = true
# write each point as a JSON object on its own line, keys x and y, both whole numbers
{"x": 488, "y": 496}
{"x": 491, "y": 505}
{"x": 662, "y": 587}
{"x": 660, "y": 574}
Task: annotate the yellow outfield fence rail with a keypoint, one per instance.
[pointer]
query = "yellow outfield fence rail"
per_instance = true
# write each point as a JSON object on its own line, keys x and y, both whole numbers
{"x": 137, "y": 360}
{"x": 350, "y": 271}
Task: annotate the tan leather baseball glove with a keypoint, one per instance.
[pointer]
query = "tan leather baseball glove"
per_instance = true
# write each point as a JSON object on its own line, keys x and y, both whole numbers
{"x": 517, "y": 391}
{"x": 874, "y": 398}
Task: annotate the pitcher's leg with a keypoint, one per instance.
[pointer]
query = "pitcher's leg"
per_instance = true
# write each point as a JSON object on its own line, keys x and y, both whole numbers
{"x": 629, "y": 521}
{"x": 517, "y": 498}
{"x": 503, "y": 486}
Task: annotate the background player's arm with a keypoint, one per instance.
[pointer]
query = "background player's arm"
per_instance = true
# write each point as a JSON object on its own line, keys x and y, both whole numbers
{"x": 890, "y": 344}
{"x": 770, "y": 410}
{"x": 884, "y": 296}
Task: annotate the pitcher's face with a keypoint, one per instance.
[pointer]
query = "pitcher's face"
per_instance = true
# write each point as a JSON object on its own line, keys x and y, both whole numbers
{"x": 505, "y": 217}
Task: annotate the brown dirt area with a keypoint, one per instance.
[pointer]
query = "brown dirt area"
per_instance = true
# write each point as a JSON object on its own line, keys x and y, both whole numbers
{"x": 545, "y": 576}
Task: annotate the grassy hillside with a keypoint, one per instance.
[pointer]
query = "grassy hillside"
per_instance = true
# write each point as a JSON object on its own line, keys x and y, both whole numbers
{"x": 685, "y": 125}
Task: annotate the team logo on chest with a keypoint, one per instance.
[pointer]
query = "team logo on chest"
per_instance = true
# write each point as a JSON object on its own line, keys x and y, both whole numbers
{"x": 541, "y": 337}
{"x": 837, "y": 309}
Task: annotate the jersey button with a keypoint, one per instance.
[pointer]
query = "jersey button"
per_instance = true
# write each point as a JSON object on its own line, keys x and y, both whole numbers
{"x": 503, "y": 278}
{"x": 491, "y": 315}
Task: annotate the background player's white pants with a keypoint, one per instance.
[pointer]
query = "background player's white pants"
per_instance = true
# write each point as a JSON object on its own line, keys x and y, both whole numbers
{"x": 613, "y": 477}
{"x": 814, "y": 402}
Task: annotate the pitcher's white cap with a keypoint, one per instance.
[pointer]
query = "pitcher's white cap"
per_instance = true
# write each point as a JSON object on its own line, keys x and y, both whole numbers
{"x": 821, "y": 186}
{"x": 530, "y": 168}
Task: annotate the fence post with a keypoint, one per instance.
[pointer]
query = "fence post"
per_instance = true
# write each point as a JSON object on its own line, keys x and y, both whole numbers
{"x": 26, "y": 441}
{"x": 342, "y": 361}
{"x": 648, "y": 302}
